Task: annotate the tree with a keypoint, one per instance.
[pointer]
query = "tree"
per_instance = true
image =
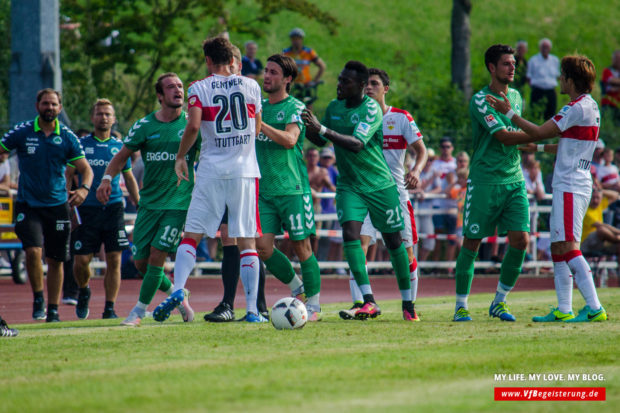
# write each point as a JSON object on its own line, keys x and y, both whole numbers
{"x": 461, "y": 33}
{"x": 117, "y": 48}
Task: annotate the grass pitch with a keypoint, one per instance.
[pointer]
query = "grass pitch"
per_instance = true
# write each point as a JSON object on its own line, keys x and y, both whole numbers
{"x": 378, "y": 365}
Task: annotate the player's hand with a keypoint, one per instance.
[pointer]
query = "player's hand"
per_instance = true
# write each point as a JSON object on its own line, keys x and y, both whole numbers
{"x": 103, "y": 191}
{"x": 311, "y": 122}
{"x": 529, "y": 147}
{"x": 180, "y": 168}
{"x": 502, "y": 106}
{"x": 77, "y": 197}
{"x": 412, "y": 179}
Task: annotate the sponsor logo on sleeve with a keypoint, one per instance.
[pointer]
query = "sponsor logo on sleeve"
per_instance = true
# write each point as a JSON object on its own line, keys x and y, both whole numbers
{"x": 192, "y": 100}
{"x": 362, "y": 128}
{"x": 490, "y": 120}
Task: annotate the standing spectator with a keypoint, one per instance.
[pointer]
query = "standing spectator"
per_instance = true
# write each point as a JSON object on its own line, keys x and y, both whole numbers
{"x": 303, "y": 56}
{"x": 328, "y": 206}
{"x": 520, "y": 66}
{"x": 319, "y": 181}
{"x": 457, "y": 191}
{"x": 610, "y": 82}
{"x": 429, "y": 184}
{"x": 444, "y": 223}
{"x": 250, "y": 65}
{"x": 44, "y": 148}
{"x": 543, "y": 71}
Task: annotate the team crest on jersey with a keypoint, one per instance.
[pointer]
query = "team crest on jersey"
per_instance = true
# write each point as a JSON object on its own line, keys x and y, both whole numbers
{"x": 114, "y": 151}
{"x": 78, "y": 245}
{"x": 280, "y": 116}
{"x": 490, "y": 120}
{"x": 57, "y": 140}
{"x": 181, "y": 133}
{"x": 20, "y": 217}
{"x": 192, "y": 100}
{"x": 355, "y": 118}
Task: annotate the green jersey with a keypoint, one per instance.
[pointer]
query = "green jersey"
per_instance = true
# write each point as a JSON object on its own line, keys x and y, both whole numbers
{"x": 365, "y": 171}
{"x": 283, "y": 171}
{"x": 158, "y": 143}
{"x": 493, "y": 162}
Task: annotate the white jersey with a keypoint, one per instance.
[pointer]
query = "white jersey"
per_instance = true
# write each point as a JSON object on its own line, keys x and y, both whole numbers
{"x": 229, "y": 106}
{"x": 579, "y": 122}
{"x": 608, "y": 174}
{"x": 442, "y": 169}
{"x": 399, "y": 131}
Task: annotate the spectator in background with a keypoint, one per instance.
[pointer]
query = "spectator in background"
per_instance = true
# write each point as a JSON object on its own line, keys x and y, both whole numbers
{"x": 429, "y": 184}
{"x": 444, "y": 223}
{"x": 607, "y": 172}
{"x": 456, "y": 191}
{"x": 5, "y": 175}
{"x": 320, "y": 180}
{"x": 533, "y": 176}
{"x": 597, "y": 158}
{"x": 598, "y": 237}
{"x": 251, "y": 66}
{"x": 304, "y": 56}
{"x": 543, "y": 71}
{"x": 327, "y": 160}
{"x": 520, "y": 66}
{"x": 610, "y": 85}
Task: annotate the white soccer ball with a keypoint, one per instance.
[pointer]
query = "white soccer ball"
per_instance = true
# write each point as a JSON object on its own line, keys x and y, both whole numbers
{"x": 289, "y": 313}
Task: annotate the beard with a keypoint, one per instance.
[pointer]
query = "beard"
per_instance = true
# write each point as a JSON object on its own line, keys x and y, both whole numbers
{"x": 48, "y": 115}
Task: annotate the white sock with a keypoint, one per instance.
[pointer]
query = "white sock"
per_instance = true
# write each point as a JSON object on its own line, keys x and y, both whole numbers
{"x": 140, "y": 309}
{"x": 295, "y": 283}
{"x": 356, "y": 294}
{"x": 249, "y": 277}
{"x": 563, "y": 280}
{"x": 365, "y": 289}
{"x": 413, "y": 274}
{"x": 313, "y": 302}
{"x": 405, "y": 295}
{"x": 461, "y": 301}
{"x": 583, "y": 276}
{"x": 184, "y": 262}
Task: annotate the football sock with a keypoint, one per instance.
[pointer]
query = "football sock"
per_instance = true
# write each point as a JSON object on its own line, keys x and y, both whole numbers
{"x": 407, "y": 305}
{"x": 312, "y": 276}
{"x": 583, "y": 277}
{"x": 150, "y": 283}
{"x": 369, "y": 298}
{"x": 296, "y": 285}
{"x": 166, "y": 285}
{"x": 184, "y": 262}
{"x": 511, "y": 266}
{"x": 109, "y": 305}
{"x": 461, "y": 301}
{"x": 413, "y": 275}
{"x": 313, "y": 302}
{"x": 356, "y": 294}
{"x": 400, "y": 262}
{"x": 501, "y": 293}
{"x": 261, "y": 303}
{"x": 357, "y": 262}
{"x": 54, "y": 307}
{"x": 249, "y": 277}
{"x": 563, "y": 280}
{"x": 140, "y": 309}
{"x": 465, "y": 271}
{"x": 38, "y": 294}
{"x": 230, "y": 273}
{"x": 280, "y": 266}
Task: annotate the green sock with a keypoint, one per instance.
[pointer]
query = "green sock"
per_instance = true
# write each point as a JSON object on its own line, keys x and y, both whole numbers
{"x": 311, "y": 275}
{"x": 400, "y": 262}
{"x": 165, "y": 284}
{"x": 150, "y": 283}
{"x": 280, "y": 266}
{"x": 511, "y": 266}
{"x": 465, "y": 270}
{"x": 357, "y": 261}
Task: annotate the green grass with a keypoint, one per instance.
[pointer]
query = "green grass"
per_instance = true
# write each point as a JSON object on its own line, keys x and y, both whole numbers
{"x": 379, "y": 365}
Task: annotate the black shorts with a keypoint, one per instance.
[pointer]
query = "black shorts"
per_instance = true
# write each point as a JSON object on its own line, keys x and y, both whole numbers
{"x": 48, "y": 227}
{"x": 100, "y": 225}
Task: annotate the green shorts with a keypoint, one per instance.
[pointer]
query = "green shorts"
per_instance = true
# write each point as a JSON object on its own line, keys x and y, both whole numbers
{"x": 488, "y": 207}
{"x": 383, "y": 206}
{"x": 292, "y": 212}
{"x": 159, "y": 228}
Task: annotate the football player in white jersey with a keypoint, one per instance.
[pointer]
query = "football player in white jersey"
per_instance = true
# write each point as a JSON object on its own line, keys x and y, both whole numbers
{"x": 577, "y": 124}
{"x": 226, "y": 109}
{"x": 399, "y": 132}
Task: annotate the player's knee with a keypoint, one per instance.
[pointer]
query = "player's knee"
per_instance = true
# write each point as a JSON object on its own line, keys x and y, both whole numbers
{"x": 393, "y": 240}
{"x": 351, "y": 231}
{"x": 303, "y": 249}
{"x": 264, "y": 251}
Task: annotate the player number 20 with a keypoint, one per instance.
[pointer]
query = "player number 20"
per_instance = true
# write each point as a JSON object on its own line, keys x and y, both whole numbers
{"x": 238, "y": 112}
{"x": 393, "y": 216}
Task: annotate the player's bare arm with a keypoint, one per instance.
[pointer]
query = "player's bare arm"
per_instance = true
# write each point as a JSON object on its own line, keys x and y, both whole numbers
{"x": 132, "y": 187}
{"x": 313, "y": 126}
{"x": 548, "y": 129}
{"x": 78, "y": 196}
{"x": 321, "y": 65}
{"x": 114, "y": 168}
{"x": 532, "y": 147}
{"x": 258, "y": 120}
{"x": 286, "y": 138}
{"x": 412, "y": 179}
{"x": 189, "y": 138}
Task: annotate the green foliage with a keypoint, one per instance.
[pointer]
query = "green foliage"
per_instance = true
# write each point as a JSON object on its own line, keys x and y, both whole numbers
{"x": 381, "y": 365}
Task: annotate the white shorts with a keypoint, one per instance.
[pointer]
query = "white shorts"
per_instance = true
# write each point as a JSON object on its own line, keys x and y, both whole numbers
{"x": 567, "y": 213}
{"x": 210, "y": 198}
{"x": 409, "y": 235}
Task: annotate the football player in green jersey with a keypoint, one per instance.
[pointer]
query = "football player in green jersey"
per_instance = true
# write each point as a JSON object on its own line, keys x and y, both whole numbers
{"x": 496, "y": 196}
{"x": 285, "y": 199}
{"x": 353, "y": 122}
{"x": 163, "y": 204}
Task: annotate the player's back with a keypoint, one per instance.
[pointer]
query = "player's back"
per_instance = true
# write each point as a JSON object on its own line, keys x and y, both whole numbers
{"x": 229, "y": 106}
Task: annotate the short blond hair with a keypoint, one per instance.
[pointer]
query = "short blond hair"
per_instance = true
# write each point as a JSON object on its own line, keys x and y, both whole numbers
{"x": 100, "y": 102}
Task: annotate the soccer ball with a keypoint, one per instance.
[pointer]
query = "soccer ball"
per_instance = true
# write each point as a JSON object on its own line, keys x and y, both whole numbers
{"x": 289, "y": 313}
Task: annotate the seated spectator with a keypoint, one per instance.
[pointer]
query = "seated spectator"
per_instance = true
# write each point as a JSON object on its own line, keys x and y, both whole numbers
{"x": 429, "y": 184}
{"x": 607, "y": 172}
{"x": 598, "y": 237}
{"x": 457, "y": 191}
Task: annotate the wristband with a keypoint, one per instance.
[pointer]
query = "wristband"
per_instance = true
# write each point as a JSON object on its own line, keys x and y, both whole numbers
{"x": 322, "y": 130}
{"x": 107, "y": 177}
{"x": 540, "y": 147}
{"x": 510, "y": 114}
